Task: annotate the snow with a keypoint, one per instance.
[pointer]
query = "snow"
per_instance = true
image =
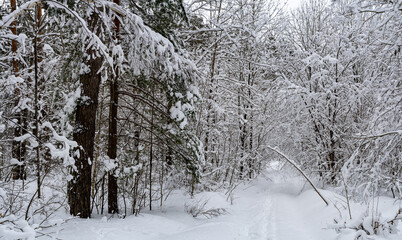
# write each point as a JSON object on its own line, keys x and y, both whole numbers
{"x": 11, "y": 80}
{"x": 63, "y": 149}
{"x": 110, "y": 164}
{"x": 8, "y": 19}
{"x": 3, "y": 193}
{"x": 176, "y": 113}
{"x": 273, "y": 207}
{"x": 14, "y": 161}
{"x": 47, "y": 48}
{"x": 21, "y": 39}
{"x": 19, "y": 229}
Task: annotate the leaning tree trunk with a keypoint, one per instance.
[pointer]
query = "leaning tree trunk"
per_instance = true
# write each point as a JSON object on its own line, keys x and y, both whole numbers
{"x": 84, "y": 132}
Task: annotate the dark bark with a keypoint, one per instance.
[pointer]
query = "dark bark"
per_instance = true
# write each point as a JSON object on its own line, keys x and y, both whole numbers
{"x": 14, "y": 45}
{"x": 112, "y": 147}
{"x": 169, "y": 154}
{"x": 242, "y": 137}
{"x": 37, "y": 60}
{"x": 150, "y": 161}
{"x": 84, "y": 133}
{"x": 18, "y": 147}
{"x": 112, "y": 142}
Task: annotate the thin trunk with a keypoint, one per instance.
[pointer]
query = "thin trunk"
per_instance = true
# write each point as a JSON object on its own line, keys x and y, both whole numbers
{"x": 103, "y": 195}
{"x": 169, "y": 154}
{"x": 161, "y": 182}
{"x": 36, "y": 82}
{"x": 137, "y": 177}
{"x": 250, "y": 133}
{"x": 150, "y": 161}
{"x": 242, "y": 137}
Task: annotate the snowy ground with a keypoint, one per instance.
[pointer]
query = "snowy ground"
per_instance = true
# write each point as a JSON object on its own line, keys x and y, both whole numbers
{"x": 271, "y": 208}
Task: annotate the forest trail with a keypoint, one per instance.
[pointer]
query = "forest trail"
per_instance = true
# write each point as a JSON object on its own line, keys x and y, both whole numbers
{"x": 292, "y": 219}
{"x": 265, "y": 209}
{"x": 287, "y": 213}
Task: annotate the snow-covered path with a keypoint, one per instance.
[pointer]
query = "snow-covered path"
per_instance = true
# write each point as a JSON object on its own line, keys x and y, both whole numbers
{"x": 283, "y": 215}
{"x": 261, "y": 210}
{"x": 294, "y": 222}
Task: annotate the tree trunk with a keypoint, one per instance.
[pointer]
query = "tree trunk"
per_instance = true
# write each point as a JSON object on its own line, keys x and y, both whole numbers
{"x": 14, "y": 46}
{"x": 84, "y": 133}
{"x": 112, "y": 147}
{"x": 18, "y": 148}
{"x": 112, "y": 143}
{"x": 169, "y": 154}
{"x": 37, "y": 59}
{"x": 151, "y": 158}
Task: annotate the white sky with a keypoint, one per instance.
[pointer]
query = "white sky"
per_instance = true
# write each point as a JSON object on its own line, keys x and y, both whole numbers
{"x": 292, "y": 4}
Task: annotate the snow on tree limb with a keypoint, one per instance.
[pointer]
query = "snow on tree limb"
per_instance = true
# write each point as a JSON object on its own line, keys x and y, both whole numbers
{"x": 298, "y": 169}
{"x": 399, "y": 132}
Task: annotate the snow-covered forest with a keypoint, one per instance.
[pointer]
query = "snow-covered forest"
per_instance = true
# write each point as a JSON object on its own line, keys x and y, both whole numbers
{"x": 201, "y": 119}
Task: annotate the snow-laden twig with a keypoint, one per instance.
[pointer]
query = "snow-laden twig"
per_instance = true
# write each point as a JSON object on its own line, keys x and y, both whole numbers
{"x": 298, "y": 169}
{"x": 379, "y": 135}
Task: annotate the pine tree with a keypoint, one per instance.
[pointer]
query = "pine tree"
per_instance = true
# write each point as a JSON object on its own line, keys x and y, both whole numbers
{"x": 85, "y": 127}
